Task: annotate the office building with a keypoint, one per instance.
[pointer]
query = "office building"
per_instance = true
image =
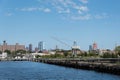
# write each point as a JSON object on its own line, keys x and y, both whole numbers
{"x": 90, "y": 48}
{"x": 30, "y": 47}
{"x": 94, "y": 46}
{"x": 40, "y": 46}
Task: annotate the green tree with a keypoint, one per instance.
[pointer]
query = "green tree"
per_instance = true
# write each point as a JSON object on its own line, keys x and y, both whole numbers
{"x": 119, "y": 53}
{"x": 38, "y": 56}
{"x": 8, "y": 52}
{"x": 21, "y": 51}
{"x": 92, "y": 54}
{"x": 84, "y": 54}
{"x": 13, "y": 54}
{"x": 117, "y": 50}
{"x": 66, "y": 54}
{"x": 109, "y": 55}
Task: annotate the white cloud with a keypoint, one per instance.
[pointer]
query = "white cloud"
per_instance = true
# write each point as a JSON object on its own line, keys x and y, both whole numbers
{"x": 79, "y": 12}
{"x": 81, "y": 17}
{"x": 8, "y": 14}
{"x": 47, "y": 10}
{"x": 66, "y": 7}
{"x": 83, "y": 8}
{"x": 63, "y": 11}
{"x": 29, "y": 9}
{"x": 101, "y": 16}
{"x": 84, "y": 1}
{"x": 72, "y": 9}
{"x": 62, "y": 6}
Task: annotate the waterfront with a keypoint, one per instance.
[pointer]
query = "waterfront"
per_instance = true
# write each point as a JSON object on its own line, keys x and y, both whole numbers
{"x": 24, "y": 70}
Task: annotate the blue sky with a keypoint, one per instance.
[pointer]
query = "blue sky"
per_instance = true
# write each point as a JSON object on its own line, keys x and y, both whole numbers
{"x": 84, "y": 21}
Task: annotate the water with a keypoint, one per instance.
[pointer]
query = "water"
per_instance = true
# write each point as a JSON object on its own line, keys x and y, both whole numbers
{"x": 39, "y": 71}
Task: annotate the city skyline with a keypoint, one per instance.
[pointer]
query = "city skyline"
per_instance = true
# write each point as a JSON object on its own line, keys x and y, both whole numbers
{"x": 83, "y": 21}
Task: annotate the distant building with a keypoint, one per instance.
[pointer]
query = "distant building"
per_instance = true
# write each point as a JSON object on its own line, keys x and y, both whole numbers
{"x": 30, "y": 47}
{"x": 90, "y": 48}
{"x": 40, "y": 46}
{"x": 103, "y": 51}
{"x": 36, "y": 50}
{"x": 27, "y": 48}
{"x": 94, "y": 46}
{"x": 12, "y": 48}
{"x": 38, "y": 54}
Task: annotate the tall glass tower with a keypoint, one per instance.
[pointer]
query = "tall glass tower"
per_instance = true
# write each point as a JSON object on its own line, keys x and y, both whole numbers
{"x": 40, "y": 46}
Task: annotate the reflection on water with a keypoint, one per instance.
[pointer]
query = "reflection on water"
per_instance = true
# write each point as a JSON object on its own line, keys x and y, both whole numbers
{"x": 39, "y": 71}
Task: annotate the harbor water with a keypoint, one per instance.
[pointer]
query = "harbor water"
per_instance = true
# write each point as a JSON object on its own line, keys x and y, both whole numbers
{"x": 24, "y": 70}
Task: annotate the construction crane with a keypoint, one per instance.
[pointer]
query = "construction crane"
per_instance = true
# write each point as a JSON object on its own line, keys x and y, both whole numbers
{"x": 74, "y": 48}
{"x": 60, "y": 41}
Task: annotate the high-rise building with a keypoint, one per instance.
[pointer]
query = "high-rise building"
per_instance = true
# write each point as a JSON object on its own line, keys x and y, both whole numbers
{"x": 40, "y": 46}
{"x": 94, "y": 46}
{"x": 27, "y": 48}
{"x": 36, "y": 49}
{"x": 90, "y": 48}
{"x": 30, "y": 47}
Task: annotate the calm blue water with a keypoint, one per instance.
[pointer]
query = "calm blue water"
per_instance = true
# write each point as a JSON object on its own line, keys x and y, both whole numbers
{"x": 39, "y": 71}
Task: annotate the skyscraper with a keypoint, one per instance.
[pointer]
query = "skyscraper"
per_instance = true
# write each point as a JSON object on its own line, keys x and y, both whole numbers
{"x": 40, "y": 46}
{"x": 30, "y": 48}
{"x": 94, "y": 46}
{"x": 36, "y": 50}
{"x": 90, "y": 48}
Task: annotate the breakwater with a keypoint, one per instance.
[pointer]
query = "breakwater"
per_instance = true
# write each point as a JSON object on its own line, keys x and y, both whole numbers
{"x": 110, "y": 65}
{"x": 28, "y": 70}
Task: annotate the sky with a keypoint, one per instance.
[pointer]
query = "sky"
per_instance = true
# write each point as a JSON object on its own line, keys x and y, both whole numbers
{"x": 61, "y": 22}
